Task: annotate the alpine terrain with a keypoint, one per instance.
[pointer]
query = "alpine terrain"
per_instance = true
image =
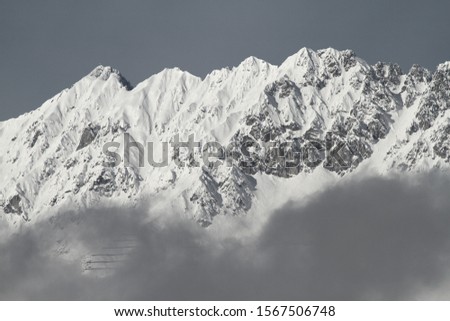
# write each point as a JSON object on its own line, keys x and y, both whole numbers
{"x": 286, "y": 131}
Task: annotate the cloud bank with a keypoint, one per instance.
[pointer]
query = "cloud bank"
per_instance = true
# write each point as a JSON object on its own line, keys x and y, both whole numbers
{"x": 371, "y": 239}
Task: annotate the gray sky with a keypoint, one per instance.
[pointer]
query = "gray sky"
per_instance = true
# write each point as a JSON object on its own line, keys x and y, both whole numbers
{"x": 45, "y": 46}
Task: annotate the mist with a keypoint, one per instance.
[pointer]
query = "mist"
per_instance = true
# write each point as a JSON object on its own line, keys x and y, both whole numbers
{"x": 368, "y": 239}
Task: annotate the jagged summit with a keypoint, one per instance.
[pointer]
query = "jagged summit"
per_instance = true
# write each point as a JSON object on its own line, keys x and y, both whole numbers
{"x": 445, "y": 66}
{"x": 334, "y": 115}
{"x": 105, "y": 72}
{"x": 419, "y": 71}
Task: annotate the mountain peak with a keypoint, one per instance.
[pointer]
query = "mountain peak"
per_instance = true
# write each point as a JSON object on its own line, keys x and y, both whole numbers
{"x": 175, "y": 72}
{"x": 305, "y": 51}
{"x": 420, "y": 73}
{"x": 445, "y": 66}
{"x": 329, "y": 52}
{"x": 303, "y": 57}
{"x": 252, "y": 60}
{"x": 104, "y": 73}
{"x": 254, "y": 63}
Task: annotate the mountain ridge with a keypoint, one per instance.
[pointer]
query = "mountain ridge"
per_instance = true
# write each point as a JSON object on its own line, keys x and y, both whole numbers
{"x": 329, "y": 109}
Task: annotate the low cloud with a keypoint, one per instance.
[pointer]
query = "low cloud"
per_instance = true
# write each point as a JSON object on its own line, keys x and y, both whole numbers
{"x": 372, "y": 239}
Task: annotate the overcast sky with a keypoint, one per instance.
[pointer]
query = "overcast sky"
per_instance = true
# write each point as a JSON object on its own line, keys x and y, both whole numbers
{"x": 45, "y": 46}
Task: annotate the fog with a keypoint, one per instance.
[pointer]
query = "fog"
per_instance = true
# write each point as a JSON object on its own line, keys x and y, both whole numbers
{"x": 370, "y": 239}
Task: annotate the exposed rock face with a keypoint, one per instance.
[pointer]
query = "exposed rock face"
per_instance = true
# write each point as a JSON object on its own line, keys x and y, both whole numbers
{"x": 13, "y": 205}
{"x": 326, "y": 110}
{"x": 88, "y": 136}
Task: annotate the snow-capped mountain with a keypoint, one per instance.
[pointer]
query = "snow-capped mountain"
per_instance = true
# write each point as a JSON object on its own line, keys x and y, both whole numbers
{"x": 317, "y": 117}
